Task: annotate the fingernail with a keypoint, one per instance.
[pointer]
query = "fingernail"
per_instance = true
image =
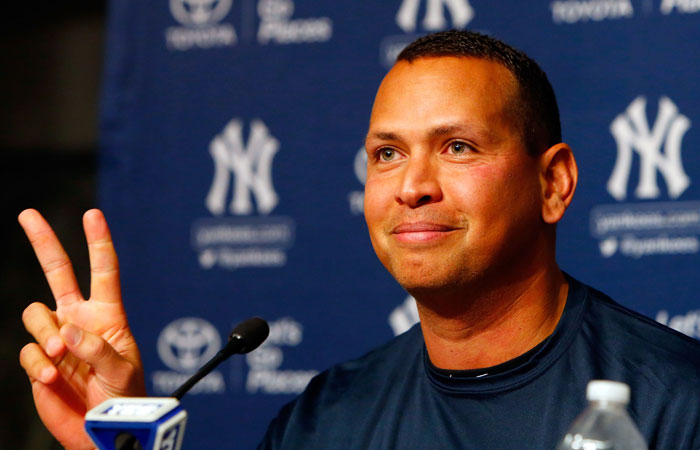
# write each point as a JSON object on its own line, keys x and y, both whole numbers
{"x": 72, "y": 334}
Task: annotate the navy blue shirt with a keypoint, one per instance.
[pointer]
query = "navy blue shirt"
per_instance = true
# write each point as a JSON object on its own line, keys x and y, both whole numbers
{"x": 394, "y": 398}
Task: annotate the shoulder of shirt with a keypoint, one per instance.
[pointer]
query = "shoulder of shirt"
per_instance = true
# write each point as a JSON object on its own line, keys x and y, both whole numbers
{"x": 652, "y": 342}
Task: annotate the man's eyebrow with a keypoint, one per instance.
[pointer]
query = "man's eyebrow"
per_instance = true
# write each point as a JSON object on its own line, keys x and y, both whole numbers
{"x": 383, "y": 135}
{"x": 439, "y": 131}
{"x": 452, "y": 128}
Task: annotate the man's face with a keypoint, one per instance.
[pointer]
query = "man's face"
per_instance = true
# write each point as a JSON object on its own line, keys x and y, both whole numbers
{"x": 452, "y": 194}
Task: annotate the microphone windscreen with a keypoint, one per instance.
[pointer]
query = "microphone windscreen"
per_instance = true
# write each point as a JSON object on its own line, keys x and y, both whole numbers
{"x": 249, "y": 334}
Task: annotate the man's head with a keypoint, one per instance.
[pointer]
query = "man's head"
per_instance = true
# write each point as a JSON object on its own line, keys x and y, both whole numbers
{"x": 533, "y": 104}
{"x": 453, "y": 194}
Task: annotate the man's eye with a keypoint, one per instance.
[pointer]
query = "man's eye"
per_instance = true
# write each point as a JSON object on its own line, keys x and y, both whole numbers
{"x": 387, "y": 154}
{"x": 458, "y": 148}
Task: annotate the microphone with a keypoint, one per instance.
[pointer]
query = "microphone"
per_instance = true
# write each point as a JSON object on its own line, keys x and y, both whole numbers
{"x": 158, "y": 423}
{"x": 246, "y": 337}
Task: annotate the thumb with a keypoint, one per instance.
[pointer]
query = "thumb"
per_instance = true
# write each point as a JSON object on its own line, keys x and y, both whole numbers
{"x": 108, "y": 365}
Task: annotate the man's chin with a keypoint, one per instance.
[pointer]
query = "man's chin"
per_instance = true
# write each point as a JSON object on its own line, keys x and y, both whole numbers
{"x": 427, "y": 271}
{"x": 430, "y": 283}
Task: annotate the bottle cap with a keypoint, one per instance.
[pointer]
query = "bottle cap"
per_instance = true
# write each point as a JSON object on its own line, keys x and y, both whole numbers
{"x": 610, "y": 391}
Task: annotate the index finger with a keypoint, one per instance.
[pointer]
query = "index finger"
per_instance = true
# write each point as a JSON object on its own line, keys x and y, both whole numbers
{"x": 104, "y": 266}
{"x": 52, "y": 257}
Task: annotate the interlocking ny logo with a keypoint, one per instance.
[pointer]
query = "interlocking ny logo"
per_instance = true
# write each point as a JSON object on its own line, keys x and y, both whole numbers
{"x": 460, "y": 10}
{"x": 251, "y": 167}
{"x": 631, "y": 132}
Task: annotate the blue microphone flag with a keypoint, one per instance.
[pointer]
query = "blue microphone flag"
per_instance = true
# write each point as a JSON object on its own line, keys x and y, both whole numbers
{"x": 148, "y": 423}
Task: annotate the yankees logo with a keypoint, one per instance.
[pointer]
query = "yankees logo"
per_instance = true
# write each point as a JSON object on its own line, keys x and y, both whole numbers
{"x": 460, "y": 10}
{"x": 632, "y": 133}
{"x": 249, "y": 165}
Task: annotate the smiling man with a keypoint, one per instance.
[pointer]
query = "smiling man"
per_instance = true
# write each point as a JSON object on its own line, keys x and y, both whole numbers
{"x": 467, "y": 178}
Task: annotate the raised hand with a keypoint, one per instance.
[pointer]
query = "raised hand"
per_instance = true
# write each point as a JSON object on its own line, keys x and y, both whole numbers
{"x": 84, "y": 351}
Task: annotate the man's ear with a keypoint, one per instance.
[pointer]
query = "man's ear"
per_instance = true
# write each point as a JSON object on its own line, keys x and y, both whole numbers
{"x": 559, "y": 175}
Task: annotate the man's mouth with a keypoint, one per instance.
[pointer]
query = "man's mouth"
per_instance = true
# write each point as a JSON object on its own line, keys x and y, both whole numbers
{"x": 421, "y": 231}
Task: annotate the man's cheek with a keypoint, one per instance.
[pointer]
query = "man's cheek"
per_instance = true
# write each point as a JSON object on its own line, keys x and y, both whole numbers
{"x": 375, "y": 200}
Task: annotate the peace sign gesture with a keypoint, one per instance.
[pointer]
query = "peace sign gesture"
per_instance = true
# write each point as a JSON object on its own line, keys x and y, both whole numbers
{"x": 84, "y": 351}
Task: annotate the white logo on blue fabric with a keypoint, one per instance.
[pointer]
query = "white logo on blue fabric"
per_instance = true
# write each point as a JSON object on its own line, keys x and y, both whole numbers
{"x": 575, "y": 11}
{"x": 581, "y": 11}
{"x": 184, "y": 346}
{"x": 199, "y": 12}
{"x": 279, "y": 27}
{"x": 356, "y": 199}
{"x": 360, "y": 165}
{"x": 688, "y": 323}
{"x": 407, "y": 18}
{"x": 404, "y": 316}
{"x": 460, "y": 10}
{"x": 241, "y": 197}
{"x": 250, "y": 167}
{"x": 680, "y": 6}
{"x": 643, "y": 229}
{"x": 632, "y": 133}
{"x": 200, "y": 25}
{"x": 608, "y": 247}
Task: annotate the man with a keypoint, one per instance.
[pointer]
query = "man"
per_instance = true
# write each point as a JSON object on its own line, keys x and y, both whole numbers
{"x": 467, "y": 179}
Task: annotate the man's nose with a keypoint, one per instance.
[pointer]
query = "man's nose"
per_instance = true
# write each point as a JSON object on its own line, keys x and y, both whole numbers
{"x": 419, "y": 183}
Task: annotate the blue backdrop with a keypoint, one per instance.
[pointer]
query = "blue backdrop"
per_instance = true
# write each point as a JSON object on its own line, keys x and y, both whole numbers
{"x": 232, "y": 174}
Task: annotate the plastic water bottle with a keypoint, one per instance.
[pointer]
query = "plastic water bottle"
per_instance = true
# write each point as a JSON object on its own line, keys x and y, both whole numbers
{"x": 605, "y": 424}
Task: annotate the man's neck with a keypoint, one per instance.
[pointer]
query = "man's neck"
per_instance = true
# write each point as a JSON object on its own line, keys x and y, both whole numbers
{"x": 496, "y": 324}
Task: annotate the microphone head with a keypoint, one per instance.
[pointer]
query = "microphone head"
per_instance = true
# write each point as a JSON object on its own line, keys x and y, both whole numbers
{"x": 247, "y": 336}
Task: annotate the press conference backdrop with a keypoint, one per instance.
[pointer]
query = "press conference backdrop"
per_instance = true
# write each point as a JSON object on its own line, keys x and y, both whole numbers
{"x": 232, "y": 173}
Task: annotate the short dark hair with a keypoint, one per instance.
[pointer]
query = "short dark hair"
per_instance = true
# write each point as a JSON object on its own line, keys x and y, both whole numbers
{"x": 535, "y": 106}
